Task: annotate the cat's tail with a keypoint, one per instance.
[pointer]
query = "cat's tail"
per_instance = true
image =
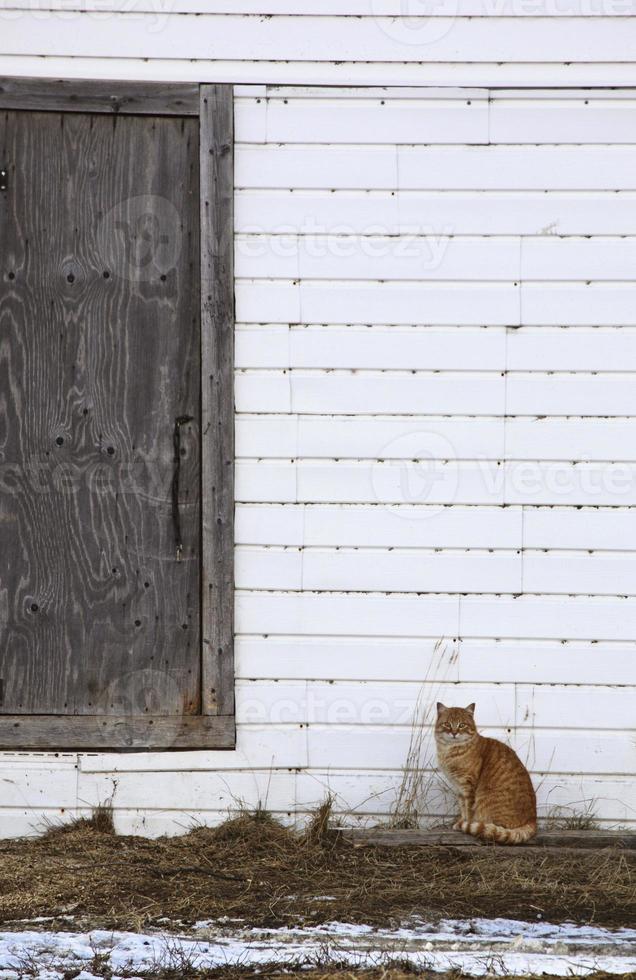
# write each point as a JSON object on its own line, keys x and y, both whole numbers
{"x": 500, "y": 835}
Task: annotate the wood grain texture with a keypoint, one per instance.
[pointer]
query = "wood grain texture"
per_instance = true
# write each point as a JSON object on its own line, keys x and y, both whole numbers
{"x": 99, "y": 352}
{"x": 217, "y": 405}
{"x": 88, "y": 95}
{"x": 115, "y": 732}
{"x": 585, "y": 839}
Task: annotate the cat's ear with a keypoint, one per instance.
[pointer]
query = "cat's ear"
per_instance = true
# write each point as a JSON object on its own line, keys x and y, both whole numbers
{"x": 471, "y": 708}
{"x": 440, "y": 707}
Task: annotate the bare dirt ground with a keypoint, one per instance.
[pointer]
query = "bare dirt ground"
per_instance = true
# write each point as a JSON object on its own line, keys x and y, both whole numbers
{"x": 254, "y": 870}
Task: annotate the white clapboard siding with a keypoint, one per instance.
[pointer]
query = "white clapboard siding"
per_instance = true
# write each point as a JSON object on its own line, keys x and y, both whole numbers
{"x": 347, "y": 615}
{"x": 347, "y": 393}
{"x": 437, "y": 482}
{"x": 315, "y": 39}
{"x": 562, "y": 120}
{"x": 445, "y": 661}
{"x": 592, "y": 528}
{"x": 360, "y": 8}
{"x": 434, "y": 257}
{"x": 572, "y": 438}
{"x": 578, "y": 258}
{"x": 600, "y": 573}
{"x": 389, "y": 527}
{"x": 553, "y": 661}
{"x": 543, "y": 750}
{"x": 411, "y": 302}
{"x": 570, "y": 394}
{"x": 379, "y": 348}
{"x": 372, "y": 703}
{"x": 564, "y": 706}
{"x": 378, "y": 437}
{"x": 437, "y": 212}
{"x": 533, "y": 617}
{"x": 552, "y": 617}
{"x": 332, "y": 658}
{"x": 366, "y": 703}
{"x": 578, "y": 304}
{"x": 411, "y": 570}
{"x": 435, "y": 349}
{"x": 571, "y": 349}
{"x": 461, "y": 120}
{"x": 417, "y": 257}
{"x": 446, "y": 168}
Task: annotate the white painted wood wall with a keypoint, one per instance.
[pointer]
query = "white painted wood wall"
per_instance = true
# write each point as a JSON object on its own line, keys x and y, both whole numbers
{"x": 436, "y": 429}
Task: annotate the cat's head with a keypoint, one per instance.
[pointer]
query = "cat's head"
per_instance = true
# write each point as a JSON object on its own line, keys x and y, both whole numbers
{"x": 455, "y": 725}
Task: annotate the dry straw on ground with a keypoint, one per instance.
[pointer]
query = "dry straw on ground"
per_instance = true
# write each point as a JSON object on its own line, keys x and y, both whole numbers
{"x": 254, "y": 869}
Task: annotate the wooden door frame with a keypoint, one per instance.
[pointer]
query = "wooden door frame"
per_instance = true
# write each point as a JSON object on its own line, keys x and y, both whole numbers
{"x": 215, "y": 726}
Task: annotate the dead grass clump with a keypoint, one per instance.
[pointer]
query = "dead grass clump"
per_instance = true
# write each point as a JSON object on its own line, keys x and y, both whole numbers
{"x": 101, "y": 821}
{"x": 319, "y": 830}
{"x": 254, "y": 869}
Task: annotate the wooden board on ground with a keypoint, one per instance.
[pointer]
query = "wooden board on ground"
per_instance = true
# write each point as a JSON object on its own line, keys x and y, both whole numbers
{"x": 587, "y": 839}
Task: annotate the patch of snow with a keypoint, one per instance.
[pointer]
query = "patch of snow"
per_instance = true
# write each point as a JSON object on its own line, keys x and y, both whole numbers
{"x": 474, "y": 946}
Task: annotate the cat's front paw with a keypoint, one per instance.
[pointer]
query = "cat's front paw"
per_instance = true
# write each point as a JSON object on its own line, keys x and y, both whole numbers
{"x": 458, "y": 824}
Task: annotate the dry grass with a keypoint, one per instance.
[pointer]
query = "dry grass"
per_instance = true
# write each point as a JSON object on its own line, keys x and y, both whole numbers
{"x": 254, "y": 869}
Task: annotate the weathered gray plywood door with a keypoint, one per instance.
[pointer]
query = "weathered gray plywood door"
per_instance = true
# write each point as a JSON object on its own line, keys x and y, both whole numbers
{"x": 101, "y": 436}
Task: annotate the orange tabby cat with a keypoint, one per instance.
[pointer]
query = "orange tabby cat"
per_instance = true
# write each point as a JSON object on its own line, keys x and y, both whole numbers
{"x": 494, "y": 790}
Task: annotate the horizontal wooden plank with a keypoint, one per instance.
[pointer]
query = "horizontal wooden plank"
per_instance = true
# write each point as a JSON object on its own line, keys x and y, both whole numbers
{"x": 570, "y": 839}
{"x": 413, "y": 570}
{"x": 380, "y": 347}
{"x": 191, "y": 790}
{"x": 382, "y": 393}
{"x": 541, "y": 750}
{"x": 346, "y": 658}
{"x": 394, "y": 569}
{"x": 437, "y": 482}
{"x": 434, "y": 257}
{"x": 386, "y": 120}
{"x": 477, "y": 662}
{"x": 409, "y": 256}
{"x": 473, "y": 304}
{"x": 570, "y": 394}
{"x": 89, "y": 95}
{"x": 447, "y": 168}
{"x": 375, "y": 793}
{"x": 579, "y": 574}
{"x": 372, "y": 437}
{"x": 312, "y": 38}
{"x": 435, "y": 348}
{"x": 562, "y": 120}
{"x": 578, "y": 304}
{"x": 357, "y": 8}
{"x": 258, "y": 747}
{"x": 460, "y": 212}
{"x": 286, "y": 116}
{"x": 390, "y": 527}
{"x": 568, "y": 706}
{"x": 346, "y": 615}
{"x": 588, "y": 527}
{"x": 387, "y": 570}
{"x": 552, "y": 617}
{"x": 571, "y": 349}
{"x": 109, "y": 732}
{"x": 542, "y": 437}
{"x": 516, "y": 168}
{"x": 604, "y": 258}
{"x": 364, "y": 703}
{"x": 502, "y": 74}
